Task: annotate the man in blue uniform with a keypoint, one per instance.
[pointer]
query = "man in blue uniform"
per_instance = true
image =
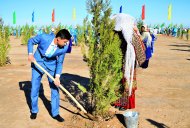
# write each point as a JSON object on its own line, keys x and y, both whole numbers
{"x": 50, "y": 55}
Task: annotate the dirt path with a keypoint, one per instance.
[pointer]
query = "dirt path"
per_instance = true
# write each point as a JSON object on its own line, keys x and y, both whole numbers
{"x": 162, "y": 98}
{"x": 164, "y": 88}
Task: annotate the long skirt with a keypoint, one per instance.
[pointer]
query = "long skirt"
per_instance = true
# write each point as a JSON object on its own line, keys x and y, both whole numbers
{"x": 125, "y": 101}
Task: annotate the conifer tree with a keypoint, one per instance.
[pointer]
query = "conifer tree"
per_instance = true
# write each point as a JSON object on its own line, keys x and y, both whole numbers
{"x": 4, "y": 43}
{"x": 27, "y": 33}
{"x": 139, "y": 23}
{"x": 105, "y": 57}
{"x": 58, "y": 28}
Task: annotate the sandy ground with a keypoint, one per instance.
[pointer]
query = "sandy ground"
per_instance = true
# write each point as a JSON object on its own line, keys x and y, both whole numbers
{"x": 162, "y": 98}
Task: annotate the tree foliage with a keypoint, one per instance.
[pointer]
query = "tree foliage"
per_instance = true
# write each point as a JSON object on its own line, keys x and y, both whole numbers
{"x": 27, "y": 33}
{"x": 4, "y": 43}
{"x": 105, "y": 57}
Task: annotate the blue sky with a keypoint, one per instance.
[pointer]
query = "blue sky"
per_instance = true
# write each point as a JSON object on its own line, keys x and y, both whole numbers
{"x": 156, "y": 11}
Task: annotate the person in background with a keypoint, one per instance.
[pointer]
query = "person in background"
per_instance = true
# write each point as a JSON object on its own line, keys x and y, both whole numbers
{"x": 74, "y": 33}
{"x": 174, "y": 32}
{"x": 14, "y": 32}
{"x": 155, "y": 31}
{"x": 159, "y": 30}
{"x": 154, "y": 38}
{"x": 182, "y": 33}
{"x": 169, "y": 31}
{"x": 187, "y": 34}
{"x": 162, "y": 31}
{"x": 178, "y": 32}
{"x": 147, "y": 40}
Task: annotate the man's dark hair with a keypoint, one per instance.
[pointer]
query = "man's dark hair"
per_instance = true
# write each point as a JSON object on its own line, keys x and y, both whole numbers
{"x": 142, "y": 27}
{"x": 64, "y": 34}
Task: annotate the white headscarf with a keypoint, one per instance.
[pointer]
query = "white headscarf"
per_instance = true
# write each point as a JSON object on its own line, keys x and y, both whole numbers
{"x": 125, "y": 23}
{"x": 147, "y": 35}
{"x": 149, "y": 38}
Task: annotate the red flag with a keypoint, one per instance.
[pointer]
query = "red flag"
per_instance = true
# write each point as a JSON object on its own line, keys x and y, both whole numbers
{"x": 53, "y": 15}
{"x": 143, "y": 12}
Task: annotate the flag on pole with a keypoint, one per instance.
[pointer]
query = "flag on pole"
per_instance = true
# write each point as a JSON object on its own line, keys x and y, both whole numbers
{"x": 14, "y": 17}
{"x": 53, "y": 16}
{"x": 170, "y": 12}
{"x": 33, "y": 16}
{"x": 74, "y": 14}
{"x": 120, "y": 10}
{"x": 143, "y": 12}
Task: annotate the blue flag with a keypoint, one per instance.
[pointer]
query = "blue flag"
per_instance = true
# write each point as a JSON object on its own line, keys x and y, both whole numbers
{"x": 120, "y": 10}
{"x": 33, "y": 16}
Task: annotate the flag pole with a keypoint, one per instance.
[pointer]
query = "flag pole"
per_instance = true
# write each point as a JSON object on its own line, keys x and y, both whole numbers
{"x": 74, "y": 16}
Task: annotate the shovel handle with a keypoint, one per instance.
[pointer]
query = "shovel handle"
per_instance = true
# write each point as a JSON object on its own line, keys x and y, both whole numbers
{"x": 61, "y": 87}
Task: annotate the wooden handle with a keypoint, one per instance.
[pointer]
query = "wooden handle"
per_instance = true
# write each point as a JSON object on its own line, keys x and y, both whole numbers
{"x": 61, "y": 87}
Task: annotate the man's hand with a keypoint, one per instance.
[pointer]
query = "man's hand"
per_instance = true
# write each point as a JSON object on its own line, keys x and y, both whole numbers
{"x": 57, "y": 81}
{"x": 31, "y": 58}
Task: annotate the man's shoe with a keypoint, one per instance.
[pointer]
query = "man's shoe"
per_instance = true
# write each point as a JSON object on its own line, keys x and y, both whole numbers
{"x": 58, "y": 118}
{"x": 33, "y": 116}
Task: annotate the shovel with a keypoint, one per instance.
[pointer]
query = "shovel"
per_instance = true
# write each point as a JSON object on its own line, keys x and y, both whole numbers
{"x": 63, "y": 89}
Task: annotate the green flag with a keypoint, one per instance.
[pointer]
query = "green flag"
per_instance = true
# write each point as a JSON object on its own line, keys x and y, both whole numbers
{"x": 14, "y": 17}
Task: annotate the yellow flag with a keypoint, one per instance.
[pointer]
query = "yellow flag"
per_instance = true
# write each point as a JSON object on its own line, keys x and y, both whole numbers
{"x": 74, "y": 13}
{"x": 170, "y": 12}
